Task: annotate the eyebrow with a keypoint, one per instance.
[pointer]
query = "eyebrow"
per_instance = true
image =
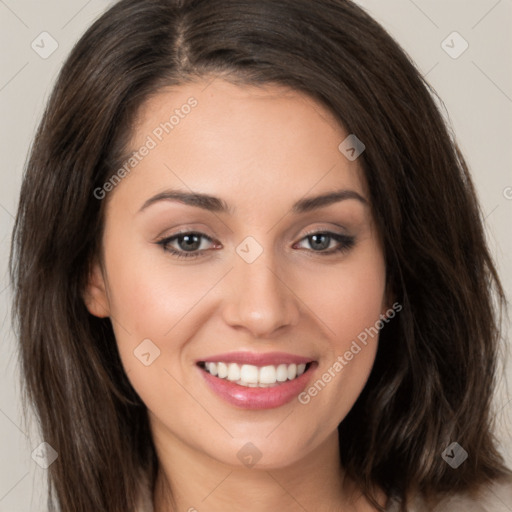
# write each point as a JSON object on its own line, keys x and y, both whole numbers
{"x": 215, "y": 204}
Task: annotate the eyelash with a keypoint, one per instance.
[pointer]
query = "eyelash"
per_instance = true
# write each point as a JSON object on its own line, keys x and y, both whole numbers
{"x": 346, "y": 243}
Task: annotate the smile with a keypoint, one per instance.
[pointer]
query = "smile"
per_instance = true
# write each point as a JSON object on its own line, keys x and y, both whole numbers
{"x": 270, "y": 381}
{"x": 254, "y": 376}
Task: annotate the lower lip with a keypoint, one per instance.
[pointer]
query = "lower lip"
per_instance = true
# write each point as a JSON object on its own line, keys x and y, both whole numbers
{"x": 258, "y": 398}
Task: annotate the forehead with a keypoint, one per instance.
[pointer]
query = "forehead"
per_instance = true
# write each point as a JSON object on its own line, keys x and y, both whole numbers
{"x": 214, "y": 136}
{"x": 217, "y": 96}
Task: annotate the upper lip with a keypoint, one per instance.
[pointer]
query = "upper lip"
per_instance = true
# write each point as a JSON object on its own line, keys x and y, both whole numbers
{"x": 253, "y": 358}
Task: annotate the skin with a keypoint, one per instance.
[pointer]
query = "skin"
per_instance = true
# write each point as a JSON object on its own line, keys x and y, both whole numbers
{"x": 260, "y": 150}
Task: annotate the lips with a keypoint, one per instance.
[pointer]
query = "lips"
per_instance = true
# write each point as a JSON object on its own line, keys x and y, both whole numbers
{"x": 259, "y": 393}
{"x": 269, "y": 358}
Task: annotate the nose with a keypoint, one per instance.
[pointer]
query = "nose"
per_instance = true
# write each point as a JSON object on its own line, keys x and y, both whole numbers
{"x": 260, "y": 299}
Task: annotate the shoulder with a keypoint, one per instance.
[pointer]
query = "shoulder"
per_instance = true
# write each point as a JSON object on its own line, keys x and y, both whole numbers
{"x": 495, "y": 497}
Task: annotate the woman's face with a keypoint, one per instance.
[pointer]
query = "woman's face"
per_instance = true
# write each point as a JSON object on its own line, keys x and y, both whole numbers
{"x": 267, "y": 279}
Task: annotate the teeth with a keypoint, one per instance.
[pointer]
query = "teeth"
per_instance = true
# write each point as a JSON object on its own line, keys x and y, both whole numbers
{"x": 222, "y": 370}
{"x": 282, "y": 373}
{"x": 249, "y": 374}
{"x": 253, "y": 376}
{"x": 233, "y": 372}
{"x": 212, "y": 368}
{"x": 267, "y": 374}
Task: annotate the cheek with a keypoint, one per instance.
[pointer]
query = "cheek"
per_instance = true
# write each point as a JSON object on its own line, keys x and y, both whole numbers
{"x": 349, "y": 297}
{"x": 150, "y": 293}
{"x": 157, "y": 306}
{"x": 348, "y": 301}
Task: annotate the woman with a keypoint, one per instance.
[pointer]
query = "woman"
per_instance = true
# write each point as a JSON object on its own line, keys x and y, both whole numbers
{"x": 251, "y": 272}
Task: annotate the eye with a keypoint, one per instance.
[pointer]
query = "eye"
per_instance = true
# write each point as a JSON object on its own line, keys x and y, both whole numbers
{"x": 189, "y": 244}
{"x": 321, "y": 240}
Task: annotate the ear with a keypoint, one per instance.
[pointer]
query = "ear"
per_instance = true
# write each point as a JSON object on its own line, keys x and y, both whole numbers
{"x": 95, "y": 292}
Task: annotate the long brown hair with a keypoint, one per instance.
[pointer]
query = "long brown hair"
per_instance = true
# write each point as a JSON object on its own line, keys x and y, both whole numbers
{"x": 432, "y": 382}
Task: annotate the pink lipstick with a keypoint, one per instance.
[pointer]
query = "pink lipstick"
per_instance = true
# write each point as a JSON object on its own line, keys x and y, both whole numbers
{"x": 257, "y": 381}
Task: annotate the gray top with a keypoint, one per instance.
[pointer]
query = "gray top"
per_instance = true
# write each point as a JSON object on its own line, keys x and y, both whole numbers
{"x": 495, "y": 498}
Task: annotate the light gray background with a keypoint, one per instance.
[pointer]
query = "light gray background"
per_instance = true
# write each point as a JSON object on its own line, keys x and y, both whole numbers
{"x": 476, "y": 89}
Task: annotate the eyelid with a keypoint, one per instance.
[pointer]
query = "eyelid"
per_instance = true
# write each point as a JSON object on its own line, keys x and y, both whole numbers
{"x": 317, "y": 231}
{"x": 166, "y": 240}
{"x": 174, "y": 236}
{"x": 346, "y": 241}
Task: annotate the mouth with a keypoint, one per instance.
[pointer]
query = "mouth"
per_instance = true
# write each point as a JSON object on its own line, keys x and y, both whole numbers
{"x": 257, "y": 386}
{"x": 252, "y": 376}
